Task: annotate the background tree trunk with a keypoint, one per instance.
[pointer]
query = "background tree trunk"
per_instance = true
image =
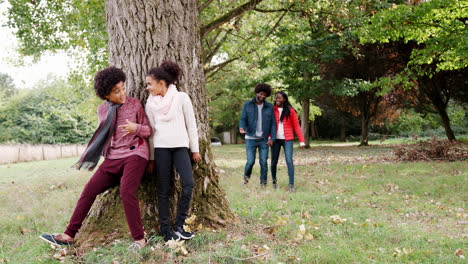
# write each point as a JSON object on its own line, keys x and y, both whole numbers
{"x": 433, "y": 90}
{"x": 314, "y": 129}
{"x": 234, "y": 131}
{"x": 142, "y": 34}
{"x": 305, "y": 120}
{"x": 343, "y": 127}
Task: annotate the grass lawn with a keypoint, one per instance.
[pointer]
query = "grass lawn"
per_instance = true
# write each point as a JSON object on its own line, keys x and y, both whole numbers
{"x": 351, "y": 205}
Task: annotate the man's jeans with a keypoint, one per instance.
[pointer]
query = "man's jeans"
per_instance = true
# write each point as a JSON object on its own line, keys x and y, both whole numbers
{"x": 288, "y": 154}
{"x": 251, "y": 146}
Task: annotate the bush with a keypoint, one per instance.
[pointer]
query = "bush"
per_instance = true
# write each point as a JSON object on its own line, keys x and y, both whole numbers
{"x": 50, "y": 114}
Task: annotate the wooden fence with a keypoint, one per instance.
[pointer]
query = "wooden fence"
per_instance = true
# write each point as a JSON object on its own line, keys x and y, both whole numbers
{"x": 24, "y": 152}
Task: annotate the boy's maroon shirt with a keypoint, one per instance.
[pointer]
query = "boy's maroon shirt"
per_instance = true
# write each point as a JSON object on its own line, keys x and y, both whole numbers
{"x": 133, "y": 143}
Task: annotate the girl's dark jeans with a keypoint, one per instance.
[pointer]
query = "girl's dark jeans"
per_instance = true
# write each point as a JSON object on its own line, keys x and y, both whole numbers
{"x": 165, "y": 160}
{"x": 288, "y": 154}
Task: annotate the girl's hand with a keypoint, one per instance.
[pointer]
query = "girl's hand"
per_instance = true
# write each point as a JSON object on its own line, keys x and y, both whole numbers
{"x": 150, "y": 167}
{"x": 196, "y": 156}
{"x": 129, "y": 128}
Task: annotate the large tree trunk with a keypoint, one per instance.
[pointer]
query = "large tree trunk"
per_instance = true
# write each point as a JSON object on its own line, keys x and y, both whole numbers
{"x": 142, "y": 34}
{"x": 364, "y": 131}
{"x": 305, "y": 120}
{"x": 440, "y": 101}
{"x": 365, "y": 120}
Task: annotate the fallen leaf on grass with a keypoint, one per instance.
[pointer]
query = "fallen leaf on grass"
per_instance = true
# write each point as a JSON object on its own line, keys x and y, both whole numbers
{"x": 459, "y": 253}
{"x": 271, "y": 229}
{"x": 397, "y": 252}
{"x": 177, "y": 246}
{"x": 282, "y": 220}
{"x": 302, "y": 234}
{"x": 191, "y": 219}
{"x": 336, "y": 219}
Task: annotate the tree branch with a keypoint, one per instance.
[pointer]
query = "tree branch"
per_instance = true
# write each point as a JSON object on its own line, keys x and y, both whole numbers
{"x": 205, "y": 5}
{"x": 277, "y": 10}
{"x": 216, "y": 48}
{"x": 228, "y": 16}
{"x": 219, "y": 66}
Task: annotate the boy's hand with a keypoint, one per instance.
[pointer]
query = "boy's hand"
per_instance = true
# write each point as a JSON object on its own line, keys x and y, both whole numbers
{"x": 196, "y": 156}
{"x": 270, "y": 143}
{"x": 129, "y": 128}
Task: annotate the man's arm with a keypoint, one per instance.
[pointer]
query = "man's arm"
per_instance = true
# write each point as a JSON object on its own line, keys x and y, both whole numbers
{"x": 243, "y": 120}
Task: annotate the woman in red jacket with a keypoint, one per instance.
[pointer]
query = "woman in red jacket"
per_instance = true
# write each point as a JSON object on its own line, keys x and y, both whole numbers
{"x": 286, "y": 125}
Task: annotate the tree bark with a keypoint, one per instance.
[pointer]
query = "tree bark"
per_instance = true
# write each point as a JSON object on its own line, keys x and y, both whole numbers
{"x": 446, "y": 123}
{"x": 314, "y": 129}
{"x": 343, "y": 129}
{"x": 364, "y": 131}
{"x": 440, "y": 101}
{"x": 142, "y": 34}
{"x": 234, "y": 131}
{"x": 365, "y": 119}
{"x": 305, "y": 120}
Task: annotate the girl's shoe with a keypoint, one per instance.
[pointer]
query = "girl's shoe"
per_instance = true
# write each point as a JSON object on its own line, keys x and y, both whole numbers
{"x": 55, "y": 239}
{"x": 183, "y": 234}
{"x": 170, "y": 235}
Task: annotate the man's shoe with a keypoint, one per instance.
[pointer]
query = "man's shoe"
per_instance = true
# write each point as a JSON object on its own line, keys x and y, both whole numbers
{"x": 275, "y": 185}
{"x": 170, "y": 235}
{"x": 291, "y": 188}
{"x": 262, "y": 185}
{"x": 246, "y": 179}
{"x": 55, "y": 239}
{"x": 183, "y": 234}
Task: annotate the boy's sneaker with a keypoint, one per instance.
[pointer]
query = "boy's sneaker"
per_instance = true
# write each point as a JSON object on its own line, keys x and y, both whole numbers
{"x": 246, "y": 179}
{"x": 54, "y": 239}
{"x": 170, "y": 235}
{"x": 291, "y": 188}
{"x": 183, "y": 234}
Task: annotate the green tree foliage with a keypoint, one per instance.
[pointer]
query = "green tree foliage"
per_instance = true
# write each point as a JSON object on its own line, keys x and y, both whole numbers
{"x": 227, "y": 94}
{"x": 54, "y": 112}
{"x": 49, "y": 25}
{"x": 319, "y": 57}
{"x": 437, "y": 32}
{"x": 437, "y": 26}
{"x": 7, "y": 87}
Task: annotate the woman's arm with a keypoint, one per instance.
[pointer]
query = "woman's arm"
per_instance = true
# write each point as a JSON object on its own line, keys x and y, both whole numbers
{"x": 295, "y": 125}
{"x": 190, "y": 123}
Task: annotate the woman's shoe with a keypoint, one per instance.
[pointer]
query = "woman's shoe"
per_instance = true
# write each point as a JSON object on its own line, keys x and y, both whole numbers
{"x": 183, "y": 234}
{"x": 170, "y": 235}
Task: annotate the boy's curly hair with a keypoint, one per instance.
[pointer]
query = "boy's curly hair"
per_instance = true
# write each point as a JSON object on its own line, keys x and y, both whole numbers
{"x": 263, "y": 87}
{"x": 106, "y": 79}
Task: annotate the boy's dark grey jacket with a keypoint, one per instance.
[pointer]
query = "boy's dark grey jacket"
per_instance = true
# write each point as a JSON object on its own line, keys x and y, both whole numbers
{"x": 249, "y": 116}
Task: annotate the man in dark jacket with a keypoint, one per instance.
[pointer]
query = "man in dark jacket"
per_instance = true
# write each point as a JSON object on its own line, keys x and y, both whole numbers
{"x": 258, "y": 124}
